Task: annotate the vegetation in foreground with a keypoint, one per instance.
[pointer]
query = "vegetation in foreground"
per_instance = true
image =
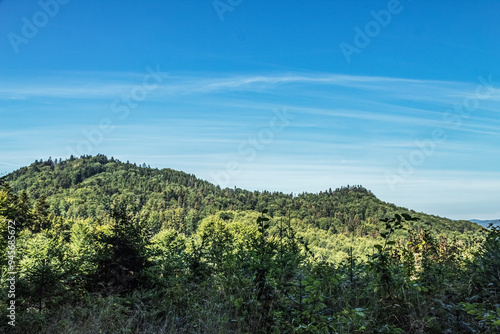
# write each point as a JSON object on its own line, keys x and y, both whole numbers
{"x": 128, "y": 249}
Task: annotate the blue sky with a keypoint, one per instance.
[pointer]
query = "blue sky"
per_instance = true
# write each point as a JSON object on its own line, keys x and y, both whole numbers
{"x": 402, "y": 97}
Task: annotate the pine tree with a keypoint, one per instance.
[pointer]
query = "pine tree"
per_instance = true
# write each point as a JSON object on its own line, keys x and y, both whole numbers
{"x": 40, "y": 213}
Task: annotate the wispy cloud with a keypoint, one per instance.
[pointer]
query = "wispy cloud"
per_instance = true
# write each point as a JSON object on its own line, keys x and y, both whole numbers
{"x": 346, "y": 129}
{"x": 9, "y": 164}
{"x": 64, "y": 85}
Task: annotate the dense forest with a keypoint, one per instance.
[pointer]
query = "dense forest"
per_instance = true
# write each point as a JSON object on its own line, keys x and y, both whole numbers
{"x": 95, "y": 245}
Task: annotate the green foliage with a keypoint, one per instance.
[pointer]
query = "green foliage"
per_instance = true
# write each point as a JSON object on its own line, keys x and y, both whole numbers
{"x": 41, "y": 271}
{"x": 103, "y": 246}
{"x": 123, "y": 254}
{"x": 491, "y": 318}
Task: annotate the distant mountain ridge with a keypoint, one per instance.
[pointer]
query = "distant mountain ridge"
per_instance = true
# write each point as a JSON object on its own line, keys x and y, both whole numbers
{"x": 486, "y": 223}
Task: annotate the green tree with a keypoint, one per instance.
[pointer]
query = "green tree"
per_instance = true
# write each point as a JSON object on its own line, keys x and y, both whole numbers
{"x": 42, "y": 270}
{"x": 123, "y": 256}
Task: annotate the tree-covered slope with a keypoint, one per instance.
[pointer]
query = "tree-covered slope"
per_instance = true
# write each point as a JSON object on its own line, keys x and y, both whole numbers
{"x": 87, "y": 187}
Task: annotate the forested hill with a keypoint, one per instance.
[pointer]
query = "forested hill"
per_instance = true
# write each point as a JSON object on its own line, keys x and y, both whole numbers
{"x": 96, "y": 245}
{"x": 88, "y": 187}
